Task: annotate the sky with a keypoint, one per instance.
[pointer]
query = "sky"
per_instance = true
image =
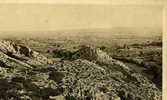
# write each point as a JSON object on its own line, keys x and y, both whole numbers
{"x": 117, "y": 2}
{"x": 51, "y": 17}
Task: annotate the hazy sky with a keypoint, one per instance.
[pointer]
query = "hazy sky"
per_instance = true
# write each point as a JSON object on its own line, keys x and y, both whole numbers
{"x": 119, "y": 2}
{"x": 50, "y": 17}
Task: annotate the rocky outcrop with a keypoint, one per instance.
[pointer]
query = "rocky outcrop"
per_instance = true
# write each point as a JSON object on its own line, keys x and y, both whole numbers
{"x": 91, "y": 75}
{"x": 23, "y": 53}
{"x": 85, "y": 52}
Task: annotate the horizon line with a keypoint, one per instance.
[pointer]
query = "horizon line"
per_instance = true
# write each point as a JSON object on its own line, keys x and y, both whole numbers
{"x": 75, "y": 29}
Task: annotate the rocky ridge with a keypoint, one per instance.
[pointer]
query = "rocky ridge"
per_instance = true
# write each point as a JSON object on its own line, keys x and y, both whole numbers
{"x": 88, "y": 74}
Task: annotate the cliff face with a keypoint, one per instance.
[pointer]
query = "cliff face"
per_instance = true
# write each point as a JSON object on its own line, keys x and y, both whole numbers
{"x": 88, "y": 74}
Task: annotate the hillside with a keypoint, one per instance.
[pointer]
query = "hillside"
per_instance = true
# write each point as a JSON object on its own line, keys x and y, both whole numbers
{"x": 85, "y": 73}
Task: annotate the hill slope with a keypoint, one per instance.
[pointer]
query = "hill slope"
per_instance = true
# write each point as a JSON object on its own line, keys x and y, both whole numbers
{"x": 27, "y": 74}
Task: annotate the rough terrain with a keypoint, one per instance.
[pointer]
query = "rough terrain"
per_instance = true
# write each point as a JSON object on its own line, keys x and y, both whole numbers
{"x": 85, "y": 72}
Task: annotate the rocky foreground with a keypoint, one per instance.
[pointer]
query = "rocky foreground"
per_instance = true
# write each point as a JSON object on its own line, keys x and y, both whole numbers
{"x": 85, "y": 74}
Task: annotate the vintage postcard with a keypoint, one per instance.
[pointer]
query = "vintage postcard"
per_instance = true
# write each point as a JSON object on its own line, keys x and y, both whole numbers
{"x": 82, "y": 50}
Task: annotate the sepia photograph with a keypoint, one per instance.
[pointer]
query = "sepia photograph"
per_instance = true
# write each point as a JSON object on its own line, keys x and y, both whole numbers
{"x": 81, "y": 50}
